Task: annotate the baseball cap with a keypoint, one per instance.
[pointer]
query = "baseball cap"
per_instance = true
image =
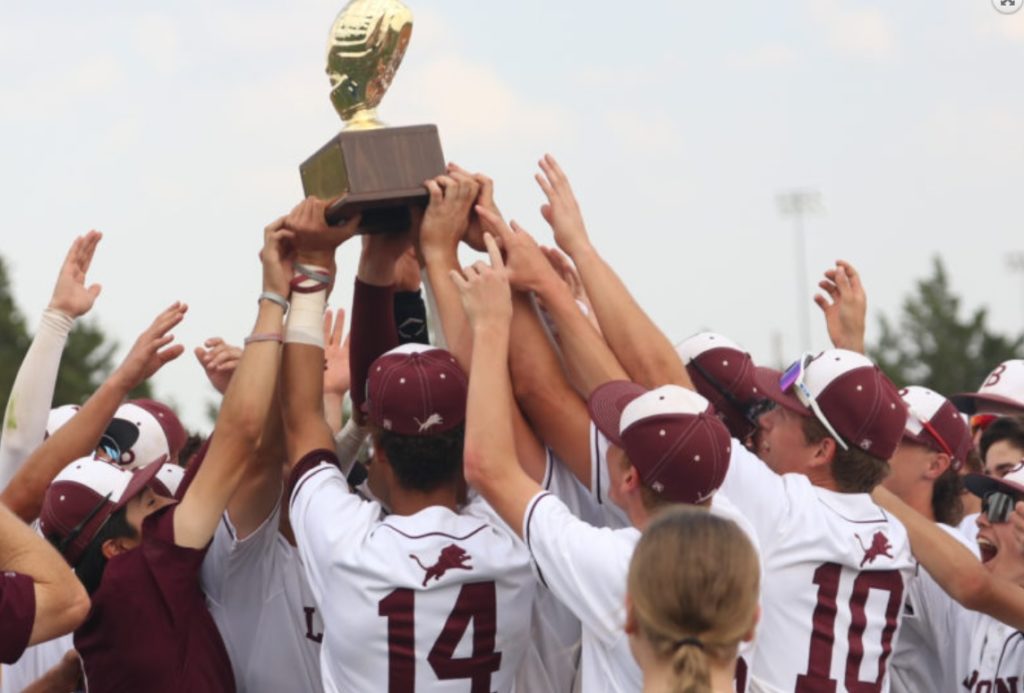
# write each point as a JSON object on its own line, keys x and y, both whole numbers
{"x": 80, "y": 500}
{"x": 934, "y": 422}
{"x": 1004, "y": 386}
{"x": 853, "y": 396}
{"x": 58, "y": 417}
{"x": 416, "y": 390}
{"x": 982, "y": 484}
{"x": 168, "y": 479}
{"x": 145, "y": 430}
{"x": 671, "y": 435}
{"x": 723, "y": 373}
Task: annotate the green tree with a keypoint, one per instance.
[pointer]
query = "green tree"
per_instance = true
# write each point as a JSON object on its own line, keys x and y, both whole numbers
{"x": 930, "y": 344}
{"x": 88, "y": 356}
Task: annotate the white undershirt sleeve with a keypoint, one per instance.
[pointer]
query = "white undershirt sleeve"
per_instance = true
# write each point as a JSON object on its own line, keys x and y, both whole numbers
{"x": 28, "y": 408}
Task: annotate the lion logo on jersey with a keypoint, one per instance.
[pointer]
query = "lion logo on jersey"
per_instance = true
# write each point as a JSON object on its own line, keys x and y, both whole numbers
{"x": 880, "y": 546}
{"x": 452, "y": 557}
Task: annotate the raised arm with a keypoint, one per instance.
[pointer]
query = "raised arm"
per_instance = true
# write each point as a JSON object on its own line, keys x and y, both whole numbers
{"x": 445, "y": 223}
{"x": 952, "y": 565}
{"x": 81, "y": 434}
{"x": 61, "y": 603}
{"x": 846, "y": 307}
{"x": 246, "y": 402}
{"x": 490, "y": 461}
{"x": 302, "y": 370}
{"x": 643, "y": 350}
{"x": 337, "y": 372}
{"x": 24, "y": 421}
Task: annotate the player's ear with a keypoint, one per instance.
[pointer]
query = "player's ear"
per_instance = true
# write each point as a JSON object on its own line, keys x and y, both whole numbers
{"x": 630, "y": 626}
{"x": 824, "y": 452}
{"x": 114, "y": 547}
{"x": 937, "y": 465}
{"x": 749, "y": 635}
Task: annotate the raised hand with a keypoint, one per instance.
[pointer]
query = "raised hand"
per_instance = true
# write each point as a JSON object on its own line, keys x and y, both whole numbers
{"x": 277, "y": 257}
{"x": 70, "y": 295}
{"x": 337, "y": 378}
{"x": 527, "y": 267}
{"x": 447, "y": 217}
{"x": 314, "y": 239}
{"x": 484, "y": 289}
{"x": 571, "y": 276}
{"x": 153, "y": 349}
{"x": 562, "y": 211}
{"x": 846, "y": 307}
{"x": 219, "y": 360}
{"x": 474, "y": 236}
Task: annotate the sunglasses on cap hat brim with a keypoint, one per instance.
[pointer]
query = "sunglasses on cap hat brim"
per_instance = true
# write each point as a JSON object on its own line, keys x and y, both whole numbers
{"x": 789, "y": 389}
{"x": 750, "y": 411}
{"x": 936, "y": 437}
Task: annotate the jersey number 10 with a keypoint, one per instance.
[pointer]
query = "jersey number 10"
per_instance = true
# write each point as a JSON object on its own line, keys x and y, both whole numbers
{"x": 476, "y": 602}
{"x": 818, "y": 678}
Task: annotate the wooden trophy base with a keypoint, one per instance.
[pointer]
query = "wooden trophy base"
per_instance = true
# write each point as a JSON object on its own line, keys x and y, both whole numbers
{"x": 378, "y": 173}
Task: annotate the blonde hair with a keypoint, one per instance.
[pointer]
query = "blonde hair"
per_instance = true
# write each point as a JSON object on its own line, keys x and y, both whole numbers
{"x": 694, "y": 582}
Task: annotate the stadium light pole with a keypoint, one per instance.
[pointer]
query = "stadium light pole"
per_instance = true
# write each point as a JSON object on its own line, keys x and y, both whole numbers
{"x": 796, "y": 205}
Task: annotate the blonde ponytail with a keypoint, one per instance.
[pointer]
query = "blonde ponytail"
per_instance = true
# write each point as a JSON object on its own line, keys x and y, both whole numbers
{"x": 694, "y": 583}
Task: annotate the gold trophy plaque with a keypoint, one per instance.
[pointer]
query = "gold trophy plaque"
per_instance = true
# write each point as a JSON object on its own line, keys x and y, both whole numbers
{"x": 369, "y": 168}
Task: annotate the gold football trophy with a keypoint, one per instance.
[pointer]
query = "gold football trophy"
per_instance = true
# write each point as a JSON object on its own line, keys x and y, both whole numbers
{"x": 369, "y": 168}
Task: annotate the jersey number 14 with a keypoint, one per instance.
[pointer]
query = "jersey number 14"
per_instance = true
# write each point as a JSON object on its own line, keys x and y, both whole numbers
{"x": 476, "y": 602}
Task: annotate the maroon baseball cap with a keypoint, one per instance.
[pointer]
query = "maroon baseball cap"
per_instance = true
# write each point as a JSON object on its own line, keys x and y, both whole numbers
{"x": 80, "y": 500}
{"x": 935, "y": 423}
{"x": 982, "y": 484}
{"x": 1002, "y": 390}
{"x": 723, "y": 373}
{"x": 671, "y": 435}
{"x": 416, "y": 390}
{"x": 855, "y": 397}
{"x": 145, "y": 430}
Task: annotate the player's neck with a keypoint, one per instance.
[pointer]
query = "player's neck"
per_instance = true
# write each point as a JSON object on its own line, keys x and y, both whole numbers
{"x": 660, "y": 677}
{"x": 409, "y": 502}
{"x": 919, "y": 497}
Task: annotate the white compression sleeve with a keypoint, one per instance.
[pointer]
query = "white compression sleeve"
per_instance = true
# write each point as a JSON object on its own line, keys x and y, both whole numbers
{"x": 28, "y": 408}
{"x": 348, "y": 442}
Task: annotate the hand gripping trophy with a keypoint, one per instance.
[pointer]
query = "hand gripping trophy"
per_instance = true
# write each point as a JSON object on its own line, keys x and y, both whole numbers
{"x": 369, "y": 168}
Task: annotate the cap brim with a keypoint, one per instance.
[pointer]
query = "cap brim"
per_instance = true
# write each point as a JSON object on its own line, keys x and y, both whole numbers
{"x": 981, "y": 485}
{"x": 141, "y": 478}
{"x": 767, "y": 380}
{"x": 123, "y": 433}
{"x": 606, "y": 404}
{"x": 967, "y": 402}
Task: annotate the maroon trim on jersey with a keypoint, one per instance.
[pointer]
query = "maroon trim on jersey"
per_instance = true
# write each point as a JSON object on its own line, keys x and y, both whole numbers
{"x": 227, "y": 526}
{"x": 435, "y": 534}
{"x": 549, "y": 473}
{"x": 526, "y": 533}
{"x": 17, "y": 614}
{"x": 596, "y": 466}
{"x": 884, "y": 519}
{"x": 307, "y": 462}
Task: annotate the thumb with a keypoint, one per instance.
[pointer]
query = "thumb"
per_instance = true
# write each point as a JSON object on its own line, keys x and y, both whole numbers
{"x": 94, "y": 291}
{"x": 545, "y": 211}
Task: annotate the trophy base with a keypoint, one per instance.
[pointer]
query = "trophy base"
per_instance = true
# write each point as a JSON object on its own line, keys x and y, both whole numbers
{"x": 378, "y": 173}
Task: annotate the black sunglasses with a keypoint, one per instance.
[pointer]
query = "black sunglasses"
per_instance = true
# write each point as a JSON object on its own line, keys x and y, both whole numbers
{"x": 750, "y": 412}
{"x": 998, "y": 506}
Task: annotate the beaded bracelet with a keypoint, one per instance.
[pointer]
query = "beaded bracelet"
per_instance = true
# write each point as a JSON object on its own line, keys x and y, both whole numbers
{"x": 264, "y": 337}
{"x": 274, "y": 297}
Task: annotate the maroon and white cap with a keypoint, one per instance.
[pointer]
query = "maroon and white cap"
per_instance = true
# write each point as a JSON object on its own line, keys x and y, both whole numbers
{"x": 982, "y": 484}
{"x": 58, "y": 417}
{"x": 83, "y": 497}
{"x": 144, "y": 431}
{"x": 168, "y": 479}
{"x": 934, "y": 422}
{"x": 723, "y": 373}
{"x": 416, "y": 390}
{"x": 671, "y": 435}
{"x": 1002, "y": 390}
{"x": 854, "y": 395}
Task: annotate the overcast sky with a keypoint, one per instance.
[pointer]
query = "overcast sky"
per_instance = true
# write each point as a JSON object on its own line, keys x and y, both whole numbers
{"x": 176, "y": 128}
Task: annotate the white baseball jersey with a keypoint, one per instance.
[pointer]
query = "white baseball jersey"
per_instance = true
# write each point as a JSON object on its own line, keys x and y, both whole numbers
{"x": 969, "y": 529}
{"x": 609, "y": 514}
{"x": 923, "y": 659}
{"x": 586, "y": 568}
{"x": 435, "y": 601}
{"x": 552, "y": 658}
{"x": 262, "y": 604}
{"x": 836, "y": 567}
